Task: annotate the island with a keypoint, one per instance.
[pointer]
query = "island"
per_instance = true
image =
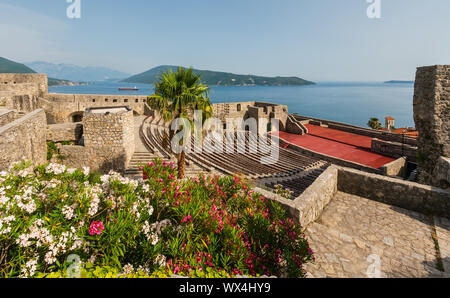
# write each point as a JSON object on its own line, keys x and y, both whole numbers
{"x": 399, "y": 82}
{"x": 216, "y": 78}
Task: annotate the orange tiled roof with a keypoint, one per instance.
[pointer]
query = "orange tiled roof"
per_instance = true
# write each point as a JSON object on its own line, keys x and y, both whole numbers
{"x": 411, "y": 133}
{"x": 389, "y": 118}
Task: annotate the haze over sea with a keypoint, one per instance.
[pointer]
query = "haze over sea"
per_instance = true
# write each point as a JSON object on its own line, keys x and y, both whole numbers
{"x": 352, "y": 103}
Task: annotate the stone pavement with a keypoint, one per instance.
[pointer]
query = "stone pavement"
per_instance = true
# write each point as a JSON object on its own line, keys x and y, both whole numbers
{"x": 357, "y": 237}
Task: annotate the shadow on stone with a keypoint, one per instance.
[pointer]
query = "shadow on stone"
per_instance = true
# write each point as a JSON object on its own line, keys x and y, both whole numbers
{"x": 437, "y": 268}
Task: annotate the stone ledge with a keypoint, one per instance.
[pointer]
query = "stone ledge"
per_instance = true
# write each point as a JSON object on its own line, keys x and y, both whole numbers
{"x": 442, "y": 172}
{"x": 392, "y": 191}
{"x": 395, "y": 168}
{"x": 308, "y": 207}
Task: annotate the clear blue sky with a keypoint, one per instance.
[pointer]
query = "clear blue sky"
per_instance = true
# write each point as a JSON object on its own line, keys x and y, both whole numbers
{"x": 320, "y": 40}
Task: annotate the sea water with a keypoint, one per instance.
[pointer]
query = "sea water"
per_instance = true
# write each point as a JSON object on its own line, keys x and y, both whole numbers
{"x": 353, "y": 103}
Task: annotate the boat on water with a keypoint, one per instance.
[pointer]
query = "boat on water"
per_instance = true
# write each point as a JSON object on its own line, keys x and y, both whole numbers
{"x": 129, "y": 89}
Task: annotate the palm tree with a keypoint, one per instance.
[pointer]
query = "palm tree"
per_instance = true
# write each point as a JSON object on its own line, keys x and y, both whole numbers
{"x": 177, "y": 95}
{"x": 374, "y": 123}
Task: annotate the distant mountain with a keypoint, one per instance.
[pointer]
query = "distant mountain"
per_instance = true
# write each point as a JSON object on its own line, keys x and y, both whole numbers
{"x": 8, "y": 66}
{"x": 399, "y": 82}
{"x": 214, "y": 78}
{"x": 77, "y": 73}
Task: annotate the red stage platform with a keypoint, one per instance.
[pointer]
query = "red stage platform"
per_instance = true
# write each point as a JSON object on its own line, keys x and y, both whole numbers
{"x": 343, "y": 145}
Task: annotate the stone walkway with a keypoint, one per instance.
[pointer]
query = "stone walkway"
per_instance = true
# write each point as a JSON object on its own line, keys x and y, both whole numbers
{"x": 139, "y": 145}
{"x": 357, "y": 237}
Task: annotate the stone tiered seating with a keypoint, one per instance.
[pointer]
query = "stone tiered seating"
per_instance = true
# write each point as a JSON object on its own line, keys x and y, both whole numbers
{"x": 248, "y": 163}
{"x": 292, "y": 170}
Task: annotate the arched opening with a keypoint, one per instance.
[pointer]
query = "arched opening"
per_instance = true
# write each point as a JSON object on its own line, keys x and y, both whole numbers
{"x": 239, "y": 107}
{"x": 76, "y": 117}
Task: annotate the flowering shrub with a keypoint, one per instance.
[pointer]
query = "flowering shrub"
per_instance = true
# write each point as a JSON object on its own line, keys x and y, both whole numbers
{"x": 215, "y": 225}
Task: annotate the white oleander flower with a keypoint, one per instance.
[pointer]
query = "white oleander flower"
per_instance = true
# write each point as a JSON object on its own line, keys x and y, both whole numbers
{"x": 5, "y": 224}
{"x": 67, "y": 211}
{"x": 23, "y": 240}
{"x": 56, "y": 169}
{"x": 146, "y": 229}
{"x": 160, "y": 260}
{"x": 143, "y": 270}
{"x": 128, "y": 269}
{"x": 29, "y": 269}
{"x": 92, "y": 259}
{"x": 155, "y": 239}
{"x": 86, "y": 171}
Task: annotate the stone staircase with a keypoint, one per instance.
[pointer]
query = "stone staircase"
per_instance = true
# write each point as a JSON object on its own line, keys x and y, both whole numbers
{"x": 139, "y": 158}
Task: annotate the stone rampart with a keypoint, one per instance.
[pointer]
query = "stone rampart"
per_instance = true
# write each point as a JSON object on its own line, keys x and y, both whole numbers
{"x": 64, "y": 132}
{"x": 20, "y": 84}
{"x": 394, "y": 149}
{"x": 24, "y": 139}
{"x": 395, "y": 168}
{"x": 108, "y": 141}
{"x": 7, "y": 116}
{"x": 403, "y": 194}
{"x": 61, "y": 108}
{"x": 432, "y": 117}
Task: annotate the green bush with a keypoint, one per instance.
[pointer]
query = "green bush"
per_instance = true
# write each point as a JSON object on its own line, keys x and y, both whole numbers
{"x": 201, "y": 227}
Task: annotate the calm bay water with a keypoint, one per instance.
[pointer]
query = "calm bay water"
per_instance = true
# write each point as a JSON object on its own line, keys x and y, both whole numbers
{"x": 352, "y": 103}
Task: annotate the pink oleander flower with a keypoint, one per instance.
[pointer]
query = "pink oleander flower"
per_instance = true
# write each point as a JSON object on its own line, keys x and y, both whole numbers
{"x": 186, "y": 219}
{"x": 96, "y": 228}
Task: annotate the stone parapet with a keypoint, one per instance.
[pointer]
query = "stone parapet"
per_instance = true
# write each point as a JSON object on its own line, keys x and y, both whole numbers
{"x": 7, "y": 116}
{"x": 403, "y": 194}
{"x": 394, "y": 149}
{"x": 432, "y": 117}
{"x": 64, "y": 132}
{"x": 24, "y": 139}
{"x": 307, "y": 208}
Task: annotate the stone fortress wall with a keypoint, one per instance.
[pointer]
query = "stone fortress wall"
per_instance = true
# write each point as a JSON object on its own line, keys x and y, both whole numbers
{"x": 21, "y": 91}
{"x": 61, "y": 108}
{"x": 7, "y": 116}
{"x": 251, "y": 109}
{"x": 108, "y": 140}
{"x": 432, "y": 117}
{"x": 20, "y": 84}
{"x": 24, "y": 139}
